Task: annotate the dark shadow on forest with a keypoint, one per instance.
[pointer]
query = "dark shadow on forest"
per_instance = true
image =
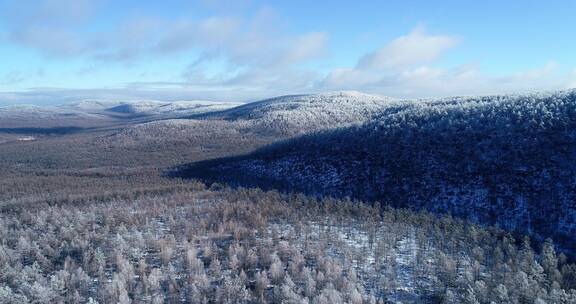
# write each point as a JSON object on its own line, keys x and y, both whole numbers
{"x": 224, "y": 172}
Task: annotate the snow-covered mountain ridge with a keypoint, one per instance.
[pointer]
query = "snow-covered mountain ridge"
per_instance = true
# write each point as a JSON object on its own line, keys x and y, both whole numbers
{"x": 278, "y": 118}
{"x": 89, "y": 113}
{"x": 299, "y": 114}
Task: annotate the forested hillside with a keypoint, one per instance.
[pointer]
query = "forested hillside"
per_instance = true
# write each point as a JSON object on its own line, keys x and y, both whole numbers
{"x": 263, "y": 121}
{"x": 94, "y": 113}
{"x": 299, "y": 114}
{"x": 503, "y": 160}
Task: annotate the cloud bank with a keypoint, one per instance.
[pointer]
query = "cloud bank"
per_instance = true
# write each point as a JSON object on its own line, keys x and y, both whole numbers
{"x": 240, "y": 57}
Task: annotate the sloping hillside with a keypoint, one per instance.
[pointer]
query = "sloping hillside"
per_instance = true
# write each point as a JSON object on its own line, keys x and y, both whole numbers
{"x": 299, "y": 114}
{"x": 94, "y": 113}
{"x": 259, "y": 123}
{"x": 169, "y": 109}
{"x": 29, "y": 116}
{"x": 504, "y": 160}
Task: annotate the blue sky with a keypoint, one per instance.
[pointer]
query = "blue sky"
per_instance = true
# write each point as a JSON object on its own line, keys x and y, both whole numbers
{"x": 57, "y": 51}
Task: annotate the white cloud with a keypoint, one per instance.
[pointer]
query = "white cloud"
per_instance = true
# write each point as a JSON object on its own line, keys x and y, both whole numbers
{"x": 248, "y": 40}
{"x": 307, "y": 46}
{"x": 47, "y": 12}
{"x": 212, "y": 32}
{"x": 395, "y": 64}
{"x": 417, "y": 47}
{"x": 45, "y": 24}
{"x": 405, "y": 68}
{"x": 572, "y": 82}
{"x": 253, "y": 53}
{"x": 256, "y": 83}
{"x": 426, "y": 81}
{"x": 52, "y": 41}
{"x": 549, "y": 68}
{"x": 245, "y": 57}
{"x": 262, "y": 57}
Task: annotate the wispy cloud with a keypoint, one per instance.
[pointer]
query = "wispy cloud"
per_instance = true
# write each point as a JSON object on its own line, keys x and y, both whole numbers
{"x": 417, "y": 47}
{"x": 252, "y": 39}
{"x": 185, "y": 34}
{"x": 45, "y": 24}
{"x": 16, "y": 76}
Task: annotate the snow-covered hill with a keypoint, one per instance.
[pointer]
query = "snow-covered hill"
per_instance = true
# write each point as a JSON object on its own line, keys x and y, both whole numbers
{"x": 177, "y": 108}
{"x": 265, "y": 121}
{"x": 283, "y": 116}
{"x": 504, "y": 160}
{"x": 196, "y": 133}
{"x": 93, "y": 113}
{"x": 298, "y": 114}
{"x": 23, "y": 116}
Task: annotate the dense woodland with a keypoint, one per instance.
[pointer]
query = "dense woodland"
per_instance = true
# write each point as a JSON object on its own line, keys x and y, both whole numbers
{"x": 503, "y": 160}
{"x": 95, "y": 217}
{"x": 196, "y": 245}
{"x": 300, "y": 114}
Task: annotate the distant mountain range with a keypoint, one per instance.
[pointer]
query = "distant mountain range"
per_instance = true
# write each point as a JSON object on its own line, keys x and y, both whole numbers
{"x": 506, "y": 160}
{"x": 92, "y": 113}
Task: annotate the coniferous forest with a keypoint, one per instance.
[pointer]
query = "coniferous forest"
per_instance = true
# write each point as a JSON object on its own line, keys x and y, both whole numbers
{"x": 108, "y": 208}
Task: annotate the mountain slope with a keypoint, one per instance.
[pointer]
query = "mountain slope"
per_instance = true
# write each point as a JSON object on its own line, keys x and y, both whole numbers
{"x": 259, "y": 123}
{"x": 171, "y": 109}
{"x": 504, "y": 160}
{"x": 22, "y": 116}
{"x": 93, "y": 113}
{"x": 299, "y": 114}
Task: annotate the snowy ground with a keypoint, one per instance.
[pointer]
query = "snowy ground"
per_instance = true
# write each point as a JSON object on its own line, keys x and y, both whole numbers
{"x": 379, "y": 258}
